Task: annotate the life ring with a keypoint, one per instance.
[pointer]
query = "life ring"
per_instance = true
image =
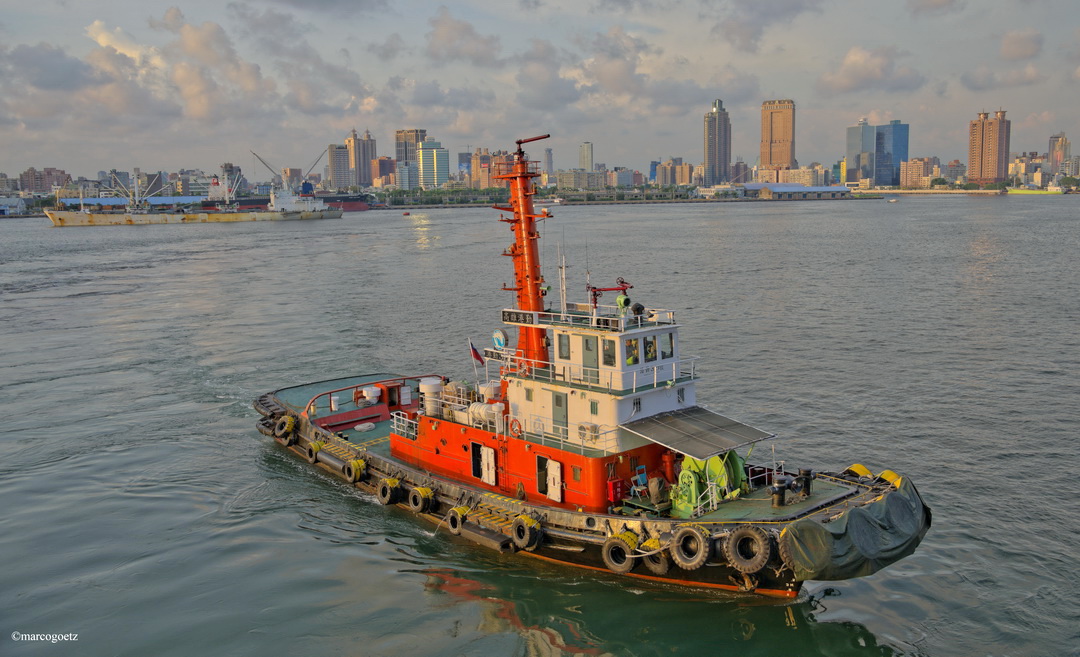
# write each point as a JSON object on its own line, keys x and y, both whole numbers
{"x": 618, "y": 552}
{"x": 313, "y": 451}
{"x": 748, "y": 549}
{"x": 420, "y": 499}
{"x": 515, "y": 428}
{"x": 455, "y": 519}
{"x": 525, "y": 532}
{"x": 658, "y": 563}
{"x": 387, "y": 492}
{"x": 690, "y": 548}
{"x": 354, "y": 470}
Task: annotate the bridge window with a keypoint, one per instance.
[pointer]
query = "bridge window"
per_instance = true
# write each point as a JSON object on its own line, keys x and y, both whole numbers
{"x": 632, "y": 357}
{"x": 667, "y": 345}
{"x": 650, "y": 348}
{"x": 609, "y": 349}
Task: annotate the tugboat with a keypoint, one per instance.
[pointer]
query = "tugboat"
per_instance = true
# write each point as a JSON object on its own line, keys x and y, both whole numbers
{"x": 584, "y": 444}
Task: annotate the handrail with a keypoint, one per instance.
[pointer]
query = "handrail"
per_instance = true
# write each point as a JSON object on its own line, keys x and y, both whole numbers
{"x": 499, "y": 362}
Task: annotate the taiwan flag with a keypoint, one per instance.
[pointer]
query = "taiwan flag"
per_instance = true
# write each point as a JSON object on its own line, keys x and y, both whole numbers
{"x": 475, "y": 353}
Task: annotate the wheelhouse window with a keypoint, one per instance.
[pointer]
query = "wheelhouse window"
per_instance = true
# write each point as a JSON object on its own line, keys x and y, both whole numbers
{"x": 564, "y": 346}
{"x": 632, "y": 351}
{"x": 609, "y": 348}
{"x": 650, "y": 348}
{"x": 667, "y": 345}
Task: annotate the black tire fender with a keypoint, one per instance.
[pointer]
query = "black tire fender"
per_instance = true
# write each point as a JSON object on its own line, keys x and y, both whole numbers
{"x": 690, "y": 547}
{"x": 525, "y": 532}
{"x": 456, "y": 518}
{"x": 387, "y": 491}
{"x": 420, "y": 499}
{"x": 618, "y": 552}
{"x": 748, "y": 549}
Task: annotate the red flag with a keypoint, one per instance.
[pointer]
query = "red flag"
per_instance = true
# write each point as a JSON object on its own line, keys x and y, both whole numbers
{"x": 475, "y": 353}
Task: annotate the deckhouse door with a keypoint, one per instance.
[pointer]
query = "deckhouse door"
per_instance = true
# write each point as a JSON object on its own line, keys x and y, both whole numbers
{"x": 558, "y": 413}
{"x": 554, "y": 481}
{"x": 590, "y": 359}
{"x": 487, "y": 465}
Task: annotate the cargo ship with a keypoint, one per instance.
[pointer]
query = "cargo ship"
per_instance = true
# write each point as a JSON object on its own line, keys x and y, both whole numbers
{"x": 582, "y": 442}
{"x": 283, "y": 205}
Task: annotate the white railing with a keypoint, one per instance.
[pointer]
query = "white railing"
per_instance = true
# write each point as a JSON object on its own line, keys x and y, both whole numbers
{"x": 663, "y": 373}
{"x": 609, "y": 318}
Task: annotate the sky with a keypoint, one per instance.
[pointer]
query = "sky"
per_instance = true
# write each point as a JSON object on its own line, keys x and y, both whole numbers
{"x": 88, "y": 85}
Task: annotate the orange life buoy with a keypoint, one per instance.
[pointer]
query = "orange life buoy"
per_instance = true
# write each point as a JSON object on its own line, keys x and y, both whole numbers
{"x": 515, "y": 427}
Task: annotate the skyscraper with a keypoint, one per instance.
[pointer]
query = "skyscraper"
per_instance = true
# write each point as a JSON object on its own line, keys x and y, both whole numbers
{"x": 585, "y": 156}
{"x": 717, "y": 145}
{"x": 405, "y": 142}
{"x": 1058, "y": 153}
{"x": 361, "y": 153}
{"x": 875, "y": 152}
{"x": 860, "y": 151}
{"x": 433, "y": 164}
{"x": 549, "y": 166}
{"x": 778, "y": 135}
{"x": 988, "y": 148}
{"x": 338, "y": 171}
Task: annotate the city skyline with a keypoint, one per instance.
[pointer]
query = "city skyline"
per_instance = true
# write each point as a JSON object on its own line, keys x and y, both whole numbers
{"x": 147, "y": 85}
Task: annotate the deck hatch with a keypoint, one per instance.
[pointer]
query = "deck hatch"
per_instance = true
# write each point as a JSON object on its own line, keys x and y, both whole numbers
{"x": 696, "y": 432}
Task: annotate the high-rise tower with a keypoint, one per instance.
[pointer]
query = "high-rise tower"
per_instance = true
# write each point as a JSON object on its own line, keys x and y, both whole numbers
{"x": 988, "y": 148}
{"x": 585, "y": 156}
{"x": 778, "y": 135}
{"x": 875, "y": 152}
{"x": 361, "y": 153}
{"x": 1058, "y": 153}
{"x": 717, "y": 145}
{"x": 405, "y": 142}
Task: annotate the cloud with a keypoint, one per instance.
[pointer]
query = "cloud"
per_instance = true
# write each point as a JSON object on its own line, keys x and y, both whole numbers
{"x": 541, "y": 84}
{"x": 985, "y": 78}
{"x": 935, "y": 6}
{"x": 47, "y": 67}
{"x": 747, "y": 20}
{"x": 451, "y": 39}
{"x": 338, "y": 7}
{"x": 1018, "y": 45}
{"x": 864, "y": 69}
{"x": 390, "y": 49}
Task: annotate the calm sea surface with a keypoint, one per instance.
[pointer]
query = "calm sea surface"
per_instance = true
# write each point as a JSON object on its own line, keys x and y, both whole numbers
{"x": 938, "y": 337}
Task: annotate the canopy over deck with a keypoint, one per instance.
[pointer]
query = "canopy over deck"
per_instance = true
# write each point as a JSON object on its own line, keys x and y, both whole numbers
{"x": 696, "y": 432}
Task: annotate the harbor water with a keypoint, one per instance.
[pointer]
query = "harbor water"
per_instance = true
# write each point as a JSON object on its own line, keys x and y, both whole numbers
{"x": 143, "y": 512}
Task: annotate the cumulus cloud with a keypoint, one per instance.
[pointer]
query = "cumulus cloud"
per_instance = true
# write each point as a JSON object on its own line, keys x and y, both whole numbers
{"x": 864, "y": 69}
{"x": 452, "y": 39}
{"x": 541, "y": 83}
{"x": 390, "y": 49}
{"x": 985, "y": 78}
{"x": 935, "y": 6}
{"x": 1018, "y": 45}
{"x": 746, "y": 21}
{"x": 47, "y": 67}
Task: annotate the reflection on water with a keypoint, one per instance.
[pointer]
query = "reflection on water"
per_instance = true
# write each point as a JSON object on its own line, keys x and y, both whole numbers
{"x": 422, "y": 230}
{"x": 558, "y": 616}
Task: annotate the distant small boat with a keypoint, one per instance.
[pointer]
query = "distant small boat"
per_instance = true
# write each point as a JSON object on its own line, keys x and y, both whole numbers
{"x": 404, "y": 214}
{"x": 893, "y": 200}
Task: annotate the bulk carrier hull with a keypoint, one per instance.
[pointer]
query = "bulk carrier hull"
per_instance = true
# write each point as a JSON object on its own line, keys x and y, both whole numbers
{"x": 79, "y": 218}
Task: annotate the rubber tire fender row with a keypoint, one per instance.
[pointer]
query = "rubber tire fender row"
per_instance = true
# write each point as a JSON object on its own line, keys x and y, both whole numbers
{"x": 691, "y": 547}
{"x": 313, "y": 451}
{"x": 748, "y": 549}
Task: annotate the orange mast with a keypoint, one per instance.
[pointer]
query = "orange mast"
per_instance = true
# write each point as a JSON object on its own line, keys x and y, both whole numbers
{"x": 528, "y": 280}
